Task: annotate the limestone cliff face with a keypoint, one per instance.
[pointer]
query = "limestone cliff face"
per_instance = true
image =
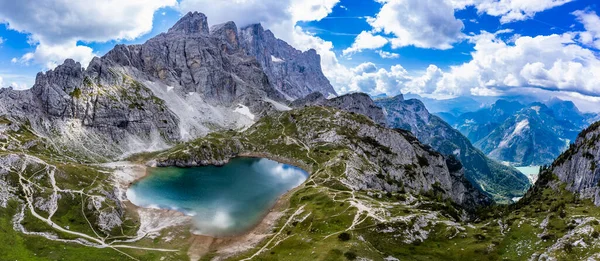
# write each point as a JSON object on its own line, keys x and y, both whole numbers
{"x": 209, "y": 64}
{"x": 579, "y": 166}
{"x": 294, "y": 73}
{"x": 179, "y": 85}
{"x": 101, "y": 111}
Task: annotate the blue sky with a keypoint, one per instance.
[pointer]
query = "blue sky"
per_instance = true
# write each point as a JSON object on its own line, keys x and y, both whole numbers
{"x": 434, "y": 48}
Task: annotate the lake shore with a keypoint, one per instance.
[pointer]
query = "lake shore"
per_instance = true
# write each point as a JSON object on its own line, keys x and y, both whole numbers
{"x": 201, "y": 245}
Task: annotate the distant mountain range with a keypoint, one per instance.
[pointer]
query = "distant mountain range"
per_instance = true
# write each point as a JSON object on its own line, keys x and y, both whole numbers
{"x": 501, "y": 182}
{"x": 454, "y": 106}
{"x": 524, "y": 135}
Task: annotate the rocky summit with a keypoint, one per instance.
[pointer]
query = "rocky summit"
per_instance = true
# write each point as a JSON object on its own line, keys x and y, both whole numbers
{"x": 177, "y": 86}
{"x": 387, "y": 180}
{"x": 293, "y": 73}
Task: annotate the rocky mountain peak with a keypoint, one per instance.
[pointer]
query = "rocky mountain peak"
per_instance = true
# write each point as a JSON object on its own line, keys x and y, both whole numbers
{"x": 398, "y": 98}
{"x": 558, "y": 103}
{"x": 503, "y": 105}
{"x": 191, "y": 23}
{"x": 227, "y": 32}
{"x": 51, "y": 86}
{"x": 565, "y": 109}
{"x": 292, "y": 72}
{"x": 537, "y": 109}
{"x": 256, "y": 32}
{"x": 359, "y": 103}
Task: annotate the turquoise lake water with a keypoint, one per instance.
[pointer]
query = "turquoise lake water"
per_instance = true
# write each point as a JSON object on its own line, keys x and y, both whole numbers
{"x": 223, "y": 201}
{"x": 531, "y": 172}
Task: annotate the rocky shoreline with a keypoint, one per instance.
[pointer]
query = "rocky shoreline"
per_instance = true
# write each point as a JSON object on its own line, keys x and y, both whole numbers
{"x": 225, "y": 159}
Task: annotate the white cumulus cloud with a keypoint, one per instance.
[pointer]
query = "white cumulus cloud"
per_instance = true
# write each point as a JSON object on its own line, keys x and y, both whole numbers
{"x": 58, "y": 25}
{"x": 388, "y": 55}
{"x": 509, "y": 10}
{"x": 591, "y": 22}
{"x": 18, "y": 86}
{"x": 426, "y": 83}
{"x": 368, "y": 78}
{"x": 554, "y": 62}
{"x": 366, "y": 40}
{"x": 420, "y": 23}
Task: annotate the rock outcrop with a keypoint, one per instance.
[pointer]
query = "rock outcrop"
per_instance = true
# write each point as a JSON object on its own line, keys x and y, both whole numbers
{"x": 579, "y": 166}
{"x": 359, "y": 103}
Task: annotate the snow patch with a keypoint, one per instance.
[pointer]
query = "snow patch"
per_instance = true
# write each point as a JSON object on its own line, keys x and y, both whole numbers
{"x": 519, "y": 128}
{"x": 278, "y": 106}
{"x": 456, "y": 152}
{"x": 194, "y": 113}
{"x": 276, "y": 59}
{"x": 536, "y": 109}
{"x": 244, "y": 110}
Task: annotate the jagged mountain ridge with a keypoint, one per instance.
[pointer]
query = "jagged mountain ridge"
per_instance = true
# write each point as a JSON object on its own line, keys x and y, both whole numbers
{"x": 294, "y": 73}
{"x": 511, "y": 132}
{"x": 530, "y": 137}
{"x": 501, "y": 181}
{"x": 179, "y": 85}
{"x": 476, "y": 125}
{"x": 353, "y": 102}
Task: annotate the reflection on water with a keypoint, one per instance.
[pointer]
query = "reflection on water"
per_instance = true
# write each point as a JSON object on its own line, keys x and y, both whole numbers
{"x": 224, "y": 200}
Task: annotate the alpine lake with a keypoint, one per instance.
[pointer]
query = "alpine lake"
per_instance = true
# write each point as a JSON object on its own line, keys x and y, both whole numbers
{"x": 222, "y": 200}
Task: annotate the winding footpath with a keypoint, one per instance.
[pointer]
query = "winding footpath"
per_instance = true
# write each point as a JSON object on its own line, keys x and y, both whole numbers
{"x": 26, "y": 185}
